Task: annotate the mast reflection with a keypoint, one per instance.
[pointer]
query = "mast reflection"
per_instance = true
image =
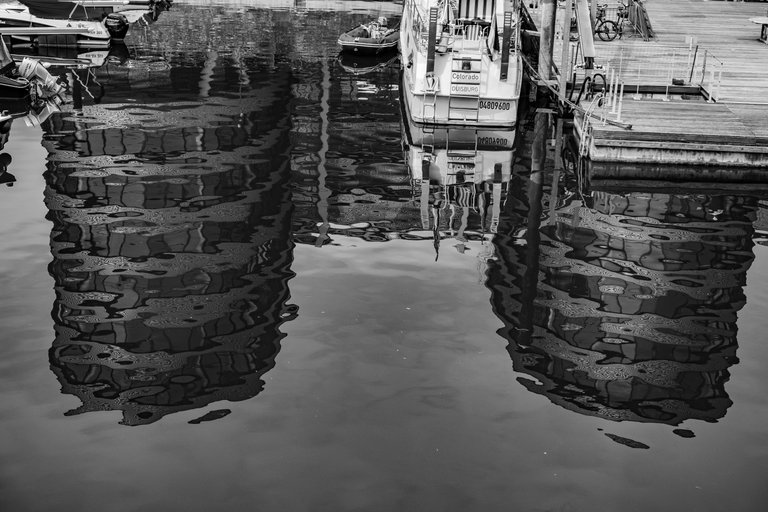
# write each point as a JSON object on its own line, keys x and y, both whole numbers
{"x": 171, "y": 252}
{"x": 623, "y": 306}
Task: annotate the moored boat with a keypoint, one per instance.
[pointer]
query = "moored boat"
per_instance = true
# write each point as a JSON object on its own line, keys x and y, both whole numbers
{"x": 18, "y": 24}
{"x": 89, "y": 9}
{"x": 371, "y": 38}
{"x": 462, "y": 62}
{"x": 97, "y": 10}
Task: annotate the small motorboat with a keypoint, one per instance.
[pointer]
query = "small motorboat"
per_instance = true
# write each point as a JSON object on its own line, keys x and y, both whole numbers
{"x": 371, "y": 38}
{"x": 18, "y": 25}
{"x": 98, "y": 10}
{"x": 89, "y": 9}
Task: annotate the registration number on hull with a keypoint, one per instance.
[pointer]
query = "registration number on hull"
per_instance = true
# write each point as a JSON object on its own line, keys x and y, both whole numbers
{"x": 495, "y": 105}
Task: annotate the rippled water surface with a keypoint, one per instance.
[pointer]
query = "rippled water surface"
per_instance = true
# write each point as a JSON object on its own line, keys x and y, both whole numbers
{"x": 226, "y": 286}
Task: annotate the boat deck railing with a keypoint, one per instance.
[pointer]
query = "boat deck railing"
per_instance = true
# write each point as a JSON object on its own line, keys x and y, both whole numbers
{"x": 461, "y": 36}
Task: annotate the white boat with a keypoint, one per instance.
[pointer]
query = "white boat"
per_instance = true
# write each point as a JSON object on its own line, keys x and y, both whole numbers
{"x": 17, "y": 24}
{"x": 461, "y": 62}
{"x": 133, "y": 10}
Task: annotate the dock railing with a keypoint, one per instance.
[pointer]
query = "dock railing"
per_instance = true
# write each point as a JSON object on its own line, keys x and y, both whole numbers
{"x": 666, "y": 73}
{"x": 708, "y": 74}
{"x": 659, "y": 69}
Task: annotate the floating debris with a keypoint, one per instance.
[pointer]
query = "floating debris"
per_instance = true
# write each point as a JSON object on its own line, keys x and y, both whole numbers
{"x": 682, "y": 432}
{"x": 211, "y": 416}
{"x": 627, "y": 442}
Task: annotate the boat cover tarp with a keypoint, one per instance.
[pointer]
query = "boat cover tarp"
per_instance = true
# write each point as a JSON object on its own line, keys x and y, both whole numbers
{"x": 473, "y": 9}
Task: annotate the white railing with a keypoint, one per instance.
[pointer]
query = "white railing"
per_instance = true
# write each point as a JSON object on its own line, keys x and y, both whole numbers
{"x": 664, "y": 67}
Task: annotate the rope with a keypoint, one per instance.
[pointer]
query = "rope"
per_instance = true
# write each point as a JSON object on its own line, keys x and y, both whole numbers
{"x": 566, "y": 101}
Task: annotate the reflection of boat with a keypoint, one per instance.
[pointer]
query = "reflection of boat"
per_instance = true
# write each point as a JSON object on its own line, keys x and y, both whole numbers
{"x": 28, "y": 77}
{"x": 18, "y": 25}
{"x": 461, "y": 61}
{"x": 33, "y": 114}
{"x": 370, "y": 38}
{"x": 68, "y": 57}
{"x": 361, "y": 64}
{"x": 6, "y": 178}
{"x": 461, "y": 176}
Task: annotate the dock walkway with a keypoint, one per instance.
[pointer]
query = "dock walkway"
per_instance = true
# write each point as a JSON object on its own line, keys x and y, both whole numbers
{"x": 709, "y": 48}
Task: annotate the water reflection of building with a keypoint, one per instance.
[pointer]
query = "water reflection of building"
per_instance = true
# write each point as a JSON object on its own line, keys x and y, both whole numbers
{"x": 171, "y": 250}
{"x": 624, "y": 306}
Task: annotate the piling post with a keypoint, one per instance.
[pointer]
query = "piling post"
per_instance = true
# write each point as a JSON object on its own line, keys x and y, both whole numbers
{"x": 547, "y": 39}
{"x": 564, "y": 73}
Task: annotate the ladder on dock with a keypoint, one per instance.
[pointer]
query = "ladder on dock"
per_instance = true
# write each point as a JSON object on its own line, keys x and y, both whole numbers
{"x": 464, "y": 92}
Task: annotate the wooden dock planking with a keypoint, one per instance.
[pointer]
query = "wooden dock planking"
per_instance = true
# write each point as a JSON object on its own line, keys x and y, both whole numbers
{"x": 733, "y": 131}
{"x": 678, "y": 122}
{"x": 722, "y": 28}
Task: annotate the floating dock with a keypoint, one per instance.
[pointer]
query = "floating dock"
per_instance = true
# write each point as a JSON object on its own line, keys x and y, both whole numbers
{"x": 694, "y": 93}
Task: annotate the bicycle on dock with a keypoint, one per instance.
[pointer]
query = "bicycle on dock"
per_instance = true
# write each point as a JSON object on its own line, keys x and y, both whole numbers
{"x": 607, "y": 29}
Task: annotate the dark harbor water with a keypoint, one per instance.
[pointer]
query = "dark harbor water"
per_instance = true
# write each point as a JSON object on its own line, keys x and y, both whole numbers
{"x": 223, "y": 290}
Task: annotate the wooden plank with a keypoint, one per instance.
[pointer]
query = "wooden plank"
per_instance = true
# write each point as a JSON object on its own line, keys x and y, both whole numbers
{"x": 679, "y": 146}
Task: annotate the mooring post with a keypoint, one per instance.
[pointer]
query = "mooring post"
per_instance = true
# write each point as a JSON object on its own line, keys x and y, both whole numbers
{"x": 565, "y": 72}
{"x": 547, "y": 39}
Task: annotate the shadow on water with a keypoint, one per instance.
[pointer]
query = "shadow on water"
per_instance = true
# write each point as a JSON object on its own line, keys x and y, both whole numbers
{"x": 621, "y": 305}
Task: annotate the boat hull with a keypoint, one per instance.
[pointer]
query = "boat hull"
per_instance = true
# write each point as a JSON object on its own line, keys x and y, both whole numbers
{"x": 357, "y": 41}
{"x": 459, "y": 71}
{"x": 19, "y": 26}
{"x": 492, "y": 113}
{"x": 367, "y": 47}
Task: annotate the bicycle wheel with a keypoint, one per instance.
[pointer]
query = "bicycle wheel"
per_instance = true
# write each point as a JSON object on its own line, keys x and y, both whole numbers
{"x": 607, "y": 30}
